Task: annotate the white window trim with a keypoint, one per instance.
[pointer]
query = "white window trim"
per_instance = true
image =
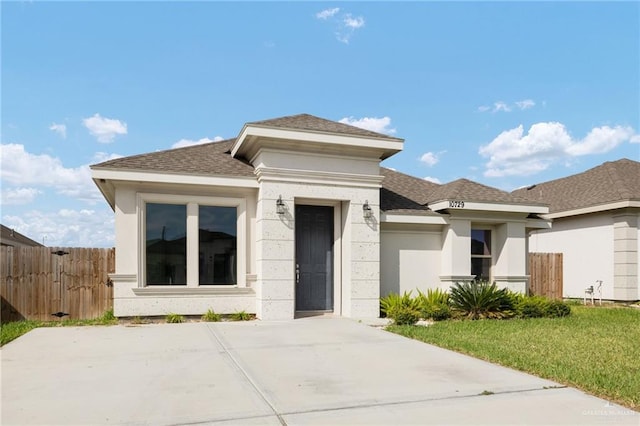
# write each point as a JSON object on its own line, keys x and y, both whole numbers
{"x": 192, "y": 202}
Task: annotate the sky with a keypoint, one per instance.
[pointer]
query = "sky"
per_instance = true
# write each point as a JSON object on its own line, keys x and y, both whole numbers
{"x": 505, "y": 94}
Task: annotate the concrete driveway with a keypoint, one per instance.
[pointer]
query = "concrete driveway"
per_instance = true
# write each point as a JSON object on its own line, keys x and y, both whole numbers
{"x": 308, "y": 371}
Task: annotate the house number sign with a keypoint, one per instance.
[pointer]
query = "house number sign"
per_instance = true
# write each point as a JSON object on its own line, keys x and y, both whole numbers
{"x": 456, "y": 204}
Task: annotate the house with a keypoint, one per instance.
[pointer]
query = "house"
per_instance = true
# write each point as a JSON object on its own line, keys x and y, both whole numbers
{"x": 296, "y": 214}
{"x": 595, "y": 218}
{"x": 12, "y": 238}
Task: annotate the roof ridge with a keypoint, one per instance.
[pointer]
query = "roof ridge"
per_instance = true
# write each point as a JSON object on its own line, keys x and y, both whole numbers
{"x": 313, "y": 123}
{"x": 618, "y": 183}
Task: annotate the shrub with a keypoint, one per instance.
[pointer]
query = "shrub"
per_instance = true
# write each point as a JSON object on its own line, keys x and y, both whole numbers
{"x": 477, "y": 300}
{"x": 392, "y": 302}
{"x": 211, "y": 316}
{"x": 405, "y": 315}
{"x": 436, "y": 312}
{"x": 240, "y": 316}
{"x": 532, "y": 307}
{"x": 434, "y": 296}
{"x": 174, "y": 318}
{"x": 557, "y": 308}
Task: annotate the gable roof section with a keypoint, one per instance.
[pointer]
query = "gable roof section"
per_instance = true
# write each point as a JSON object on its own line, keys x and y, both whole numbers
{"x": 404, "y": 194}
{"x": 316, "y": 124}
{"x": 210, "y": 159}
{"x": 609, "y": 183}
{"x": 467, "y": 190}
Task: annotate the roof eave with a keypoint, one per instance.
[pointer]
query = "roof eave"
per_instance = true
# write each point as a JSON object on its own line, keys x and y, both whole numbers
{"x": 594, "y": 209}
{"x": 173, "y": 178}
{"x": 412, "y": 218}
{"x": 455, "y": 204}
{"x": 385, "y": 146}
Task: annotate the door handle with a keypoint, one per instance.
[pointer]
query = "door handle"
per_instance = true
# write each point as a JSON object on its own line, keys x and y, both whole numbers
{"x": 297, "y": 273}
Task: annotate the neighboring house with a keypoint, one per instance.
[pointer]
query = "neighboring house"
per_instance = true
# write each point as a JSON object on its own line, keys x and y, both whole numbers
{"x": 595, "y": 225}
{"x": 296, "y": 214}
{"x": 11, "y": 238}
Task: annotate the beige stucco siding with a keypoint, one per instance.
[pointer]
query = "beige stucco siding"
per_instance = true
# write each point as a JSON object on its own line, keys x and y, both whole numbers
{"x": 587, "y": 244}
{"x": 409, "y": 260}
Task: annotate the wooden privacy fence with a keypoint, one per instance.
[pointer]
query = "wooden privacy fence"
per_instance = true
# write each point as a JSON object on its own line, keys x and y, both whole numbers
{"x": 546, "y": 274}
{"x": 37, "y": 282}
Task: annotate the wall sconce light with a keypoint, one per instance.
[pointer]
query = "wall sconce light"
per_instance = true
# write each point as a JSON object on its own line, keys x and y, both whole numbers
{"x": 366, "y": 210}
{"x": 280, "y": 205}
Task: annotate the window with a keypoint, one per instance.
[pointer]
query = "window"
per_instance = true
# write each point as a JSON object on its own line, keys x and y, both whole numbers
{"x": 166, "y": 244}
{"x": 192, "y": 241}
{"x": 217, "y": 245}
{"x": 481, "y": 254}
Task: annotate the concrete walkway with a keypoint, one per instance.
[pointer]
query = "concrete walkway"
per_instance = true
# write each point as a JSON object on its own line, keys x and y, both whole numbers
{"x": 309, "y": 371}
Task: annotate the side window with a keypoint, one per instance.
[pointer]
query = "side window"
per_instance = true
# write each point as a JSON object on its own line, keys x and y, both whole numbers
{"x": 481, "y": 254}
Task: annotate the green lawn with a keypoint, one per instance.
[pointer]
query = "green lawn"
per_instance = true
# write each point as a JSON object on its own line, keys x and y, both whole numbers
{"x": 594, "y": 349}
{"x": 12, "y": 330}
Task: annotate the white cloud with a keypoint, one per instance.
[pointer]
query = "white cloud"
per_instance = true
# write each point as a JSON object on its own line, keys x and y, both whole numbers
{"x": 188, "y": 142}
{"x": 99, "y": 157}
{"x": 375, "y": 124}
{"x": 429, "y": 158}
{"x": 60, "y": 129}
{"x": 17, "y": 196}
{"x": 433, "y": 179}
{"x": 105, "y": 129}
{"x": 327, "y": 13}
{"x": 344, "y": 25}
{"x": 354, "y": 23}
{"x": 22, "y": 168}
{"x": 501, "y": 106}
{"x": 525, "y": 104}
{"x": 514, "y": 153}
{"x": 66, "y": 227}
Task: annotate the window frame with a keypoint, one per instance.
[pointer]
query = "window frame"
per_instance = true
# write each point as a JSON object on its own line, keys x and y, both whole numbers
{"x": 483, "y": 256}
{"x": 192, "y": 203}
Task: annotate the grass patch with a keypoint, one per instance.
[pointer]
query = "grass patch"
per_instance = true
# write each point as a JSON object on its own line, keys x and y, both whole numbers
{"x": 240, "y": 316}
{"x": 12, "y": 330}
{"x": 595, "y": 349}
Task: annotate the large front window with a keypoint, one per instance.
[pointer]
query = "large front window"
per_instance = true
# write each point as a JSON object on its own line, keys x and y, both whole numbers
{"x": 166, "y": 243}
{"x": 190, "y": 244}
{"x": 481, "y": 254}
{"x": 217, "y": 245}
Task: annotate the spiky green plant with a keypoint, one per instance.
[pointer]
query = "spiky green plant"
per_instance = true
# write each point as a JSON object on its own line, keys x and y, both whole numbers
{"x": 211, "y": 316}
{"x": 476, "y": 300}
{"x": 434, "y": 296}
{"x": 394, "y": 301}
{"x": 240, "y": 316}
{"x": 174, "y": 318}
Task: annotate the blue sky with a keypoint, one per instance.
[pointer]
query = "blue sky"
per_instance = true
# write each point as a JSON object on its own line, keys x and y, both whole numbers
{"x": 506, "y": 94}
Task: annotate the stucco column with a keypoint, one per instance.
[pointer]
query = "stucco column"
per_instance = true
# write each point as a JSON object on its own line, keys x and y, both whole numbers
{"x": 510, "y": 256}
{"x": 456, "y": 253}
{"x": 625, "y": 257}
{"x": 274, "y": 257}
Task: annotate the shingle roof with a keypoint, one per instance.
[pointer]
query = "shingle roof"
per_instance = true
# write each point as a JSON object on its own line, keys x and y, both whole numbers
{"x": 206, "y": 159}
{"x": 467, "y": 190}
{"x": 9, "y": 237}
{"x": 404, "y": 194}
{"x": 317, "y": 124}
{"x": 607, "y": 183}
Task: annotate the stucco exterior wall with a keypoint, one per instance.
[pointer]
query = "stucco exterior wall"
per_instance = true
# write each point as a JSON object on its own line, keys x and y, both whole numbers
{"x": 356, "y": 248}
{"x": 587, "y": 244}
{"x": 409, "y": 260}
{"x": 130, "y": 296}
